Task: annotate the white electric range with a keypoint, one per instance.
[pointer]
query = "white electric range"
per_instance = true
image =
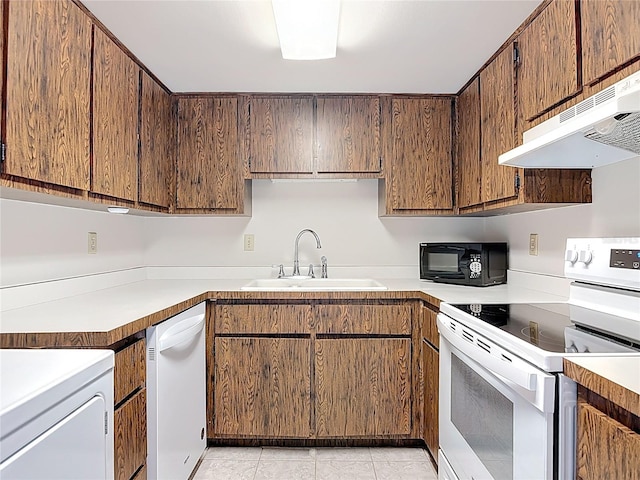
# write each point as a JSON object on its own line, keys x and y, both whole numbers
{"x": 506, "y": 410}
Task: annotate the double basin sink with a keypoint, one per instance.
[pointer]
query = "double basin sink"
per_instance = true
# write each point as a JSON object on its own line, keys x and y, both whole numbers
{"x": 313, "y": 284}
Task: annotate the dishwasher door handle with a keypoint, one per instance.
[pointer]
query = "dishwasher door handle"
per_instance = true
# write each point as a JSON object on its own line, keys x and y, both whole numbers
{"x": 181, "y": 332}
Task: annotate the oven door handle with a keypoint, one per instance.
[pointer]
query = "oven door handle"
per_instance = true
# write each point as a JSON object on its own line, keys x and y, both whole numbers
{"x": 514, "y": 370}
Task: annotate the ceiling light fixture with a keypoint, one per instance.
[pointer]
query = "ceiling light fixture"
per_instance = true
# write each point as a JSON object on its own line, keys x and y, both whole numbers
{"x": 308, "y": 29}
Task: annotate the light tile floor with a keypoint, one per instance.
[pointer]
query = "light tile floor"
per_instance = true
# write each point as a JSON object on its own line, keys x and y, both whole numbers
{"x": 263, "y": 463}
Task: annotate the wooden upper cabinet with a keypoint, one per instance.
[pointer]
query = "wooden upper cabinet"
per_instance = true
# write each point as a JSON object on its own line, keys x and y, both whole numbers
{"x": 48, "y": 92}
{"x": 548, "y": 70}
{"x": 468, "y": 146}
{"x": 497, "y": 128}
{"x": 280, "y": 134}
{"x": 208, "y": 170}
{"x": 610, "y": 36}
{"x": 348, "y": 134}
{"x": 156, "y": 143}
{"x": 420, "y": 154}
{"x": 116, "y": 80}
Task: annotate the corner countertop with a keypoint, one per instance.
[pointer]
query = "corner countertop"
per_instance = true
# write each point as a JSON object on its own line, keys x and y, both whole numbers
{"x": 104, "y": 317}
{"x": 616, "y": 379}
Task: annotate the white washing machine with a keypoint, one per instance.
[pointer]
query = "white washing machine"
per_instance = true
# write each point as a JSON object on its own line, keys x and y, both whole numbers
{"x": 56, "y": 414}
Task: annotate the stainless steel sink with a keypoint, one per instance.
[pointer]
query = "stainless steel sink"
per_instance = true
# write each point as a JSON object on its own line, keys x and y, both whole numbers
{"x": 313, "y": 284}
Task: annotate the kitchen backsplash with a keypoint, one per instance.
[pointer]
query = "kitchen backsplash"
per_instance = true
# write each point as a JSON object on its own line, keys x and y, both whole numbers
{"x": 40, "y": 243}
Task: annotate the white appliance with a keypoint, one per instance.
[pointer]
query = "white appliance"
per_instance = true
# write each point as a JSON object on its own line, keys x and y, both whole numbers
{"x": 603, "y": 129}
{"x": 56, "y": 414}
{"x": 506, "y": 410}
{"x": 176, "y": 395}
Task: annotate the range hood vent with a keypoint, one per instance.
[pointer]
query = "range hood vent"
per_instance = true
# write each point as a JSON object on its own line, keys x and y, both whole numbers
{"x": 603, "y": 129}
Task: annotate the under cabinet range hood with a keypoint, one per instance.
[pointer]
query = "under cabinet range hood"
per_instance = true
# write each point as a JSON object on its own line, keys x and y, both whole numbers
{"x": 603, "y": 129}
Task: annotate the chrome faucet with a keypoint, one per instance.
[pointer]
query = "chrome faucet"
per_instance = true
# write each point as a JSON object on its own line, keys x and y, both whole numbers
{"x": 296, "y": 262}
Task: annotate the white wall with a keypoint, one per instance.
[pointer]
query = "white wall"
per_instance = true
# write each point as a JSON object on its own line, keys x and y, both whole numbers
{"x": 46, "y": 242}
{"x": 344, "y": 215}
{"x": 614, "y": 212}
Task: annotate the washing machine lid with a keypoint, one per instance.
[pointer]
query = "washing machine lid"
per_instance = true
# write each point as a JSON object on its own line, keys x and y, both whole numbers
{"x": 32, "y": 381}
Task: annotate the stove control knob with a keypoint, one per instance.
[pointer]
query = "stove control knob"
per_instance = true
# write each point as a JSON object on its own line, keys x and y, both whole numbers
{"x": 585, "y": 257}
{"x": 572, "y": 348}
{"x": 571, "y": 256}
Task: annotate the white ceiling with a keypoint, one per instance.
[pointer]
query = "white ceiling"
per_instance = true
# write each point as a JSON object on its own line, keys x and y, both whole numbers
{"x": 391, "y": 46}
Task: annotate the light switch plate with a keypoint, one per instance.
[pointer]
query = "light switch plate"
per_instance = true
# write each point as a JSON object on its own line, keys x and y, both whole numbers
{"x": 533, "y": 244}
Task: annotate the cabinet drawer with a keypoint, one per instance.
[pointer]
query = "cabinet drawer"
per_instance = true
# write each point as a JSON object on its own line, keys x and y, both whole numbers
{"x": 606, "y": 448}
{"x": 364, "y": 319}
{"x": 130, "y": 370}
{"x": 265, "y": 319}
{"x": 130, "y": 436}
{"x": 430, "y": 327}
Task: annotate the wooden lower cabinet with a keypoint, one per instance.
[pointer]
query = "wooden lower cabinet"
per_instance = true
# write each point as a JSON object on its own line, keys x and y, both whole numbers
{"x": 363, "y": 387}
{"x": 605, "y": 447}
{"x": 430, "y": 360}
{"x": 130, "y": 436}
{"x": 263, "y": 387}
{"x": 130, "y": 414}
{"x": 312, "y": 370}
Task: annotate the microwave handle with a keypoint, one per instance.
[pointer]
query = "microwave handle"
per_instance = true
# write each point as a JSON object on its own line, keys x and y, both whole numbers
{"x": 517, "y": 372}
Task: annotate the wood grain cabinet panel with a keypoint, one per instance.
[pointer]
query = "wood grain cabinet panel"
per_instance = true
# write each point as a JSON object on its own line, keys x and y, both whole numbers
{"x": 48, "y": 92}
{"x": 116, "y": 81}
{"x": 364, "y": 319}
{"x": 348, "y": 134}
{"x": 468, "y": 147}
{"x": 430, "y": 364}
{"x": 430, "y": 326}
{"x": 208, "y": 169}
{"x": 363, "y": 387}
{"x": 280, "y": 134}
{"x": 130, "y": 370}
{"x": 262, "y": 387}
{"x": 497, "y": 128}
{"x": 548, "y": 72}
{"x": 130, "y": 436}
{"x": 157, "y": 136}
{"x": 421, "y": 155}
{"x": 606, "y": 448}
{"x": 262, "y": 319}
{"x": 610, "y": 36}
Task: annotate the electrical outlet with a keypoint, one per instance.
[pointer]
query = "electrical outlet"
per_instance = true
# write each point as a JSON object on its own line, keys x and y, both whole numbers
{"x": 533, "y": 244}
{"x": 249, "y": 242}
{"x": 92, "y": 242}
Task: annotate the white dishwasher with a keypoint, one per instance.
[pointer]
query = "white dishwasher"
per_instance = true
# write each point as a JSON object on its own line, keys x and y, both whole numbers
{"x": 56, "y": 414}
{"x": 176, "y": 395}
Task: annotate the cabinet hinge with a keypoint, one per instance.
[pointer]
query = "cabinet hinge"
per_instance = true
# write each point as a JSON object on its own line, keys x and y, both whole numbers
{"x": 106, "y": 423}
{"x": 380, "y": 165}
{"x": 516, "y": 54}
{"x": 249, "y": 163}
{"x": 517, "y": 182}
{"x": 3, "y": 152}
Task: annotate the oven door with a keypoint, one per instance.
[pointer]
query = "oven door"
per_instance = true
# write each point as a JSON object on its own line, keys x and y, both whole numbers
{"x": 496, "y": 410}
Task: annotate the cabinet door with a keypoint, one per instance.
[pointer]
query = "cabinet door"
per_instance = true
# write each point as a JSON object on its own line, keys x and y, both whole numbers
{"x": 48, "y": 60}
{"x": 363, "y": 387}
{"x": 497, "y": 128}
{"x": 610, "y": 36}
{"x": 156, "y": 143}
{"x": 348, "y": 134}
{"x": 468, "y": 146}
{"x": 281, "y": 134}
{"x": 430, "y": 359}
{"x": 116, "y": 81}
{"x": 130, "y": 436}
{"x": 548, "y": 72}
{"x": 606, "y": 448}
{"x": 262, "y": 387}
{"x": 421, "y": 154}
{"x": 208, "y": 174}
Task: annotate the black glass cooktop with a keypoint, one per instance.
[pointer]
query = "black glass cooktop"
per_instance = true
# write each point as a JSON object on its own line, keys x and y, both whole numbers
{"x": 541, "y": 324}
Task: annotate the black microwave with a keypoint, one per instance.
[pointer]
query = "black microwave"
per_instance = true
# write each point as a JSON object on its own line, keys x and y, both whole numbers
{"x": 475, "y": 264}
